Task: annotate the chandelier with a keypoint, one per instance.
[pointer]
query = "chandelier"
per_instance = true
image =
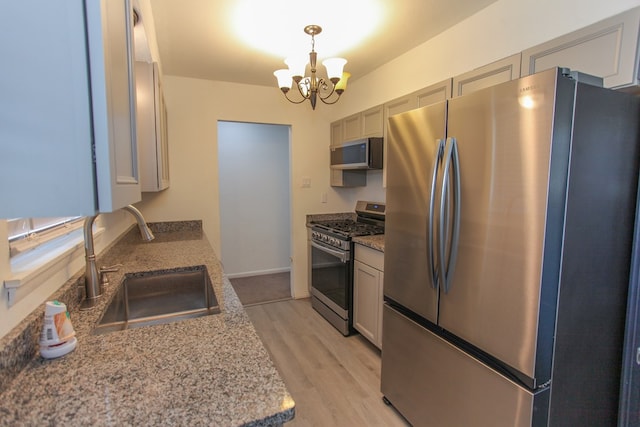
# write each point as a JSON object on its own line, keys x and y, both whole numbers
{"x": 313, "y": 88}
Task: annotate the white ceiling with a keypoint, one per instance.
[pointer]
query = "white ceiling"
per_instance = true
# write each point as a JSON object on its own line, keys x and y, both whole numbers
{"x": 243, "y": 41}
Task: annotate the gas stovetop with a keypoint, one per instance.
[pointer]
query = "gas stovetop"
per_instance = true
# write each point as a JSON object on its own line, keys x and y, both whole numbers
{"x": 349, "y": 228}
{"x": 369, "y": 221}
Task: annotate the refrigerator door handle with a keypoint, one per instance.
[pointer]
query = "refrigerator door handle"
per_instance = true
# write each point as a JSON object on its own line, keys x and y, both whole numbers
{"x": 452, "y": 162}
{"x": 430, "y": 220}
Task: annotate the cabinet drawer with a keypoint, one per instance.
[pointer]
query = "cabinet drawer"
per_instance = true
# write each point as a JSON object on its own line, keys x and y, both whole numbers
{"x": 370, "y": 256}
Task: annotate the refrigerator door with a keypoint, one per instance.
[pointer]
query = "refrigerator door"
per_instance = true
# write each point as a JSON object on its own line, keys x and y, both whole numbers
{"x": 414, "y": 153}
{"x": 504, "y": 139}
{"x": 433, "y": 383}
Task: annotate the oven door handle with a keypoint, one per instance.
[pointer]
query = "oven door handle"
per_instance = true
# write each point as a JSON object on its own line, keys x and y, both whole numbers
{"x": 344, "y": 256}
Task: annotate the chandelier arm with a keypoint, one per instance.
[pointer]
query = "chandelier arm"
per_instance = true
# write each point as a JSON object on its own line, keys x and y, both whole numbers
{"x": 324, "y": 101}
{"x": 323, "y": 83}
{"x": 306, "y": 84}
{"x": 294, "y": 101}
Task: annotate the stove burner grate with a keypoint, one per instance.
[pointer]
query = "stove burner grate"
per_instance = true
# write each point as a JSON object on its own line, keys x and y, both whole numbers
{"x": 351, "y": 228}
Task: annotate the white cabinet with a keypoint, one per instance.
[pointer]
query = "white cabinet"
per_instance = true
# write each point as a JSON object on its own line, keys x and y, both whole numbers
{"x": 360, "y": 125}
{"x": 352, "y": 127}
{"x": 489, "y": 75}
{"x": 348, "y": 178}
{"x": 607, "y": 49}
{"x": 368, "y": 278}
{"x": 153, "y": 143}
{"x": 368, "y": 123}
{"x": 437, "y": 92}
{"x": 67, "y": 110}
{"x": 429, "y": 95}
{"x": 372, "y": 122}
{"x": 337, "y": 132}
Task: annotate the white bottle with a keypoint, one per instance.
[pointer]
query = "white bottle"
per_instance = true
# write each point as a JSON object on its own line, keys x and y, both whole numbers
{"x": 58, "y": 336}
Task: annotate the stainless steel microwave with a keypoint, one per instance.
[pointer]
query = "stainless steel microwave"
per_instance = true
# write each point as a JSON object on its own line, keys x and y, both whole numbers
{"x": 359, "y": 154}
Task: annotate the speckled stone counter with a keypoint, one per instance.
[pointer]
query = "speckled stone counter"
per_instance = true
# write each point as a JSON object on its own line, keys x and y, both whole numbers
{"x": 311, "y": 218}
{"x": 375, "y": 242}
{"x": 211, "y": 370}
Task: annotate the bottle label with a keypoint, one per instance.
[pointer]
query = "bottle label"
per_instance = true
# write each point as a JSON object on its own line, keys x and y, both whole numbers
{"x": 57, "y": 328}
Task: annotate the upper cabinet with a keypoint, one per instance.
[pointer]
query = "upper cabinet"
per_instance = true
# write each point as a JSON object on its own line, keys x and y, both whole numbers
{"x": 153, "y": 143}
{"x": 607, "y": 49}
{"x": 360, "y": 125}
{"x": 372, "y": 122}
{"x": 68, "y": 133}
{"x": 492, "y": 74}
{"x": 429, "y": 95}
{"x": 337, "y": 132}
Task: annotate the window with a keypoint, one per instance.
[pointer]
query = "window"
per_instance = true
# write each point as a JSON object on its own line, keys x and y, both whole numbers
{"x": 28, "y": 233}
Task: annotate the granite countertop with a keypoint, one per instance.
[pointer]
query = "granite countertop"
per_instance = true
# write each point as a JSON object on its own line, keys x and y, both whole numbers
{"x": 211, "y": 370}
{"x": 311, "y": 218}
{"x": 375, "y": 242}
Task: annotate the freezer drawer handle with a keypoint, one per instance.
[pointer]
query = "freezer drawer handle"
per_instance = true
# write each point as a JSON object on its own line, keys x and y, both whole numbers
{"x": 430, "y": 220}
{"x": 452, "y": 161}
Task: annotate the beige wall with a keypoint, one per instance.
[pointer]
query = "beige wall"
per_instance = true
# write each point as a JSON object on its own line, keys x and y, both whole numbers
{"x": 194, "y": 108}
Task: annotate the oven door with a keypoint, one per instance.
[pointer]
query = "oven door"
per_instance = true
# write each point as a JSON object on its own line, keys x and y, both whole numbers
{"x": 331, "y": 278}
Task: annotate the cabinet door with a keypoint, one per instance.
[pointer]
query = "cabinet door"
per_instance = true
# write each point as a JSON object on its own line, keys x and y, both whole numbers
{"x": 434, "y": 93}
{"x": 352, "y": 127}
{"x": 489, "y": 75}
{"x": 607, "y": 49}
{"x": 366, "y": 303}
{"x": 372, "y": 122}
{"x": 46, "y": 167}
{"x": 399, "y": 105}
{"x": 163, "y": 132}
{"x": 151, "y": 128}
{"x": 111, "y": 61}
{"x": 337, "y": 132}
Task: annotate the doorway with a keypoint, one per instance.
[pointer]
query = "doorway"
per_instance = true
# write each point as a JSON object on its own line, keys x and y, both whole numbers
{"x": 255, "y": 225}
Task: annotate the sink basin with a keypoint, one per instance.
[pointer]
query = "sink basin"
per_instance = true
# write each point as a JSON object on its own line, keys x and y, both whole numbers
{"x": 156, "y": 297}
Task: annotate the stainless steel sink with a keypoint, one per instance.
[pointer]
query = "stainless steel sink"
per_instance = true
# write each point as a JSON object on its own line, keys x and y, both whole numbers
{"x": 156, "y": 297}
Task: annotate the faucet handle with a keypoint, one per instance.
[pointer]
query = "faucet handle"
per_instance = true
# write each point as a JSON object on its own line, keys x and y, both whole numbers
{"x": 104, "y": 279}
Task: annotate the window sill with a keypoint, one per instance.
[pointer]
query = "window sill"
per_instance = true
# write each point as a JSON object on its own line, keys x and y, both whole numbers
{"x": 32, "y": 269}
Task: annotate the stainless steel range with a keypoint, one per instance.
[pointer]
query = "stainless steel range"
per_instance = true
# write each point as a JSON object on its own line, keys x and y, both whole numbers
{"x": 332, "y": 262}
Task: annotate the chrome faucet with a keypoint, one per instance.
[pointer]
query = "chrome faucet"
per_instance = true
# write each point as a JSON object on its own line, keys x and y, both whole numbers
{"x": 92, "y": 277}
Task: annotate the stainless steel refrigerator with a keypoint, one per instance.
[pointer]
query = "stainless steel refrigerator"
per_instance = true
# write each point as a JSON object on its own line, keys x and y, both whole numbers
{"x": 509, "y": 229}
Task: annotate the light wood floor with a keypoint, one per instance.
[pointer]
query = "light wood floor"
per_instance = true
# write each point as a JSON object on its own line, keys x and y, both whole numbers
{"x": 334, "y": 380}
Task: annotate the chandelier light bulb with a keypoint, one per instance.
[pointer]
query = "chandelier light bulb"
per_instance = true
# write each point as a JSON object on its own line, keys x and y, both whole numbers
{"x": 284, "y": 79}
{"x": 334, "y": 68}
{"x": 342, "y": 84}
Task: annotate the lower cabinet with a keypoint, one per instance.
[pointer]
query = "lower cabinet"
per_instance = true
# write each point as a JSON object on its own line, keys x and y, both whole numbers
{"x": 368, "y": 278}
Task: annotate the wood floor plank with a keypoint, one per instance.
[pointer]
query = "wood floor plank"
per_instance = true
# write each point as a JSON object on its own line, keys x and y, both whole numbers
{"x": 334, "y": 380}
